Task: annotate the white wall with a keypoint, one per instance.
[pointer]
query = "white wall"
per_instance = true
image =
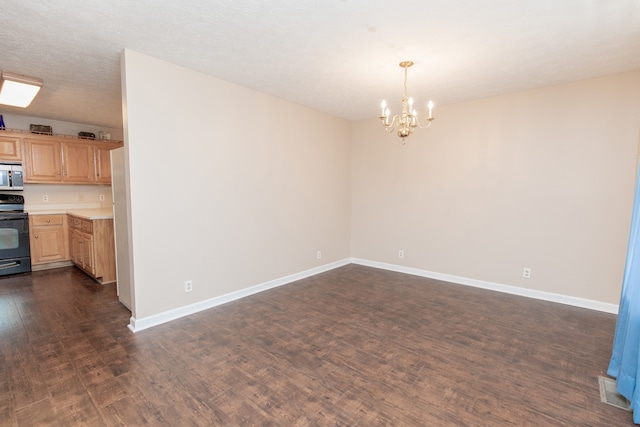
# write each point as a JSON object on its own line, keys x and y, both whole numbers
{"x": 66, "y": 196}
{"x": 541, "y": 179}
{"x": 228, "y": 187}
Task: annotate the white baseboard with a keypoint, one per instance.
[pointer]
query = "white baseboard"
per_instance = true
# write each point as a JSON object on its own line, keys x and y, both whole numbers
{"x": 137, "y": 325}
{"x": 530, "y": 293}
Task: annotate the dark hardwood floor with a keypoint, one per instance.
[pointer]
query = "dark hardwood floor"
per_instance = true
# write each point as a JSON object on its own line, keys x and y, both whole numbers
{"x": 355, "y": 346}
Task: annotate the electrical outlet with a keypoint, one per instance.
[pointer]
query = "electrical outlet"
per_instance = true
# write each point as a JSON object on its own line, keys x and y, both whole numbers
{"x": 102, "y": 197}
{"x": 526, "y": 273}
{"x": 319, "y": 254}
{"x": 400, "y": 254}
{"x": 188, "y": 286}
{"x": 45, "y": 198}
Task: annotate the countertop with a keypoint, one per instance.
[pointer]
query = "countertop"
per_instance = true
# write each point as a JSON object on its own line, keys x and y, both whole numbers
{"x": 91, "y": 214}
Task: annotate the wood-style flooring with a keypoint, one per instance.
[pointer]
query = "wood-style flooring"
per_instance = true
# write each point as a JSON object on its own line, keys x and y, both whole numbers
{"x": 355, "y": 346}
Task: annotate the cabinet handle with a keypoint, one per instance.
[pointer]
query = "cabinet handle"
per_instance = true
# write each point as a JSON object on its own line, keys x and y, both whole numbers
{"x": 36, "y": 237}
{"x": 48, "y": 221}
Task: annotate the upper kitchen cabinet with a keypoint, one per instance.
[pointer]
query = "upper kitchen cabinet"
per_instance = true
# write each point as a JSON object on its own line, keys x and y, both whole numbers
{"x": 10, "y": 149}
{"x": 77, "y": 163}
{"x": 102, "y": 160}
{"x": 66, "y": 161}
{"x": 43, "y": 160}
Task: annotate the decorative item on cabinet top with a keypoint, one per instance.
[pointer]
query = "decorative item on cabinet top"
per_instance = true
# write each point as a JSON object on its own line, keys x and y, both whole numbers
{"x": 41, "y": 129}
{"x": 57, "y": 135}
{"x": 86, "y": 135}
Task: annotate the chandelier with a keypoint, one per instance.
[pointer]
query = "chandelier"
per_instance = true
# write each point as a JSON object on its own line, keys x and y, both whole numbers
{"x": 407, "y": 121}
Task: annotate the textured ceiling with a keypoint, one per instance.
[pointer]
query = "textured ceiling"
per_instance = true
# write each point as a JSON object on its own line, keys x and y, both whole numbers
{"x": 336, "y": 56}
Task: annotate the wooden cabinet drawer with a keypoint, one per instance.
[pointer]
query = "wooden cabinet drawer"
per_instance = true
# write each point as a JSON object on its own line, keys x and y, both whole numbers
{"x": 74, "y": 222}
{"x": 86, "y": 226}
{"x": 43, "y": 220}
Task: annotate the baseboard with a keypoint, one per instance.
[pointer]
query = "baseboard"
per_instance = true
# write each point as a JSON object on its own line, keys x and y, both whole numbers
{"x": 50, "y": 265}
{"x": 137, "y": 325}
{"x": 530, "y": 293}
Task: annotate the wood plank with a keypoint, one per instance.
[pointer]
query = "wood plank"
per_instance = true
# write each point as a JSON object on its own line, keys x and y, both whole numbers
{"x": 352, "y": 346}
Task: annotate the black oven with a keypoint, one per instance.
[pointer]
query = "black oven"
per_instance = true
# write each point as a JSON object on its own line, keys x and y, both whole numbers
{"x": 15, "y": 254}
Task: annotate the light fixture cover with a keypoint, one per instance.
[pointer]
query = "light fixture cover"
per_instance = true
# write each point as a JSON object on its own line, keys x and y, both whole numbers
{"x": 18, "y": 90}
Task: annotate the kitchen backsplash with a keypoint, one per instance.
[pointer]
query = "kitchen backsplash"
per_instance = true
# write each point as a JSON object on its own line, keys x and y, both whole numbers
{"x": 45, "y": 197}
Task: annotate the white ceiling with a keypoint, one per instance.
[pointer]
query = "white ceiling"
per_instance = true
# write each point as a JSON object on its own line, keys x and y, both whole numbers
{"x": 336, "y": 56}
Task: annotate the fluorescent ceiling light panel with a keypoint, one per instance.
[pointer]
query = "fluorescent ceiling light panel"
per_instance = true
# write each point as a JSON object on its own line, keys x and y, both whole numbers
{"x": 18, "y": 90}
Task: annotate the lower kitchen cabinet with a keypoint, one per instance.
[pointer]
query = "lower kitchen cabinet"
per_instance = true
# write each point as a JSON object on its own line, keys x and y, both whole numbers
{"x": 92, "y": 248}
{"x": 82, "y": 251}
{"x": 48, "y": 240}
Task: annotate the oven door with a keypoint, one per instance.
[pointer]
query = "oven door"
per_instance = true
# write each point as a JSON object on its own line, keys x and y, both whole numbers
{"x": 14, "y": 238}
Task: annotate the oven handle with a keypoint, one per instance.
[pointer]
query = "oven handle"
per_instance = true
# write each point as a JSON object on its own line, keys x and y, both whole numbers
{"x": 9, "y": 265}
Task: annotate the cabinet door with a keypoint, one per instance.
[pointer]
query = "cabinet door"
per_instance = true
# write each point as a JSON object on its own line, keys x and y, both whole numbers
{"x": 42, "y": 161}
{"x": 77, "y": 159}
{"x": 10, "y": 149}
{"x": 103, "y": 164}
{"x": 74, "y": 248}
{"x": 85, "y": 252}
{"x": 89, "y": 255}
{"x": 48, "y": 244}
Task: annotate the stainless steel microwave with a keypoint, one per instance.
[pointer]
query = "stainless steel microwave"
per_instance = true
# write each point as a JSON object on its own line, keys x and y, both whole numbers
{"x": 11, "y": 176}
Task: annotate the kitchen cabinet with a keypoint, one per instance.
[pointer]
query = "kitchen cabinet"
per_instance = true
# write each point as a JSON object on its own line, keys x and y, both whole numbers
{"x": 10, "y": 149}
{"x": 51, "y": 160}
{"x": 77, "y": 162}
{"x": 82, "y": 251}
{"x": 43, "y": 160}
{"x": 102, "y": 160}
{"x": 92, "y": 248}
{"x": 48, "y": 240}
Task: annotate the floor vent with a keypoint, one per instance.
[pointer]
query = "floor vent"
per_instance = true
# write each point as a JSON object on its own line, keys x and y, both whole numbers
{"x": 610, "y": 396}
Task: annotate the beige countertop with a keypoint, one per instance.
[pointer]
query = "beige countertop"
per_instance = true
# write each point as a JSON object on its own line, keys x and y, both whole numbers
{"x": 91, "y": 214}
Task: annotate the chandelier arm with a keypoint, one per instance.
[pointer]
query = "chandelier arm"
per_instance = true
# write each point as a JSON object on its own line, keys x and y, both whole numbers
{"x": 391, "y": 126}
{"x": 419, "y": 125}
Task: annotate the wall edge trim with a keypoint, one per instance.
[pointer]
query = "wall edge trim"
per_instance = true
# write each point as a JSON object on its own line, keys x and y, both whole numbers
{"x": 508, "y": 289}
{"x": 139, "y": 324}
